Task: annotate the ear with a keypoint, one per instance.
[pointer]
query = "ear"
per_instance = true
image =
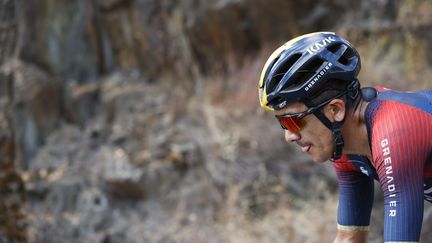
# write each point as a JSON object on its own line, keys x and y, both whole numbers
{"x": 335, "y": 110}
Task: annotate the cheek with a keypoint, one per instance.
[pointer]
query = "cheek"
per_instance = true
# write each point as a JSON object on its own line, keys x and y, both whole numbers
{"x": 327, "y": 144}
{"x": 327, "y": 136}
{"x": 315, "y": 128}
{"x": 320, "y": 136}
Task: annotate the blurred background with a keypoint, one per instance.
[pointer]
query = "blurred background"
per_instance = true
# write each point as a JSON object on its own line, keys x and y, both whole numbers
{"x": 138, "y": 120}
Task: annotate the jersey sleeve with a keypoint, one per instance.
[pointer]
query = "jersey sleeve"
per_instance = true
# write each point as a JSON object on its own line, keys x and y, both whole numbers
{"x": 400, "y": 142}
{"x": 356, "y": 193}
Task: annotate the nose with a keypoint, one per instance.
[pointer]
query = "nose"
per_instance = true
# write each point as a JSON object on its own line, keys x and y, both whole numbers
{"x": 291, "y": 136}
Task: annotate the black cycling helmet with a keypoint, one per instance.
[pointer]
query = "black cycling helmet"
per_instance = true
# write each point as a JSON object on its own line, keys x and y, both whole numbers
{"x": 301, "y": 68}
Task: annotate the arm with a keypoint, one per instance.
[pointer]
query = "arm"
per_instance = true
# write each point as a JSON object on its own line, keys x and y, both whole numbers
{"x": 401, "y": 177}
{"x": 351, "y": 236}
{"x": 356, "y": 193}
{"x": 400, "y": 146}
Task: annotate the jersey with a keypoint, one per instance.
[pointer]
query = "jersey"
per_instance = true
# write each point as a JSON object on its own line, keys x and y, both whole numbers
{"x": 399, "y": 126}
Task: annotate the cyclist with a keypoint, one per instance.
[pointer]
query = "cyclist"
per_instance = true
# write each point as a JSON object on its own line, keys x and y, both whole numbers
{"x": 311, "y": 85}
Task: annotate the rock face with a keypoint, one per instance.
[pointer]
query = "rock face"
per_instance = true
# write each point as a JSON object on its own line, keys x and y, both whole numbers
{"x": 36, "y": 107}
{"x": 81, "y": 40}
{"x": 130, "y": 175}
{"x": 12, "y": 192}
{"x": 117, "y": 147}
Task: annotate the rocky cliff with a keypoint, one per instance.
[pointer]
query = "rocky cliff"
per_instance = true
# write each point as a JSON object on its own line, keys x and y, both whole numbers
{"x": 138, "y": 121}
{"x": 12, "y": 191}
{"x": 82, "y": 40}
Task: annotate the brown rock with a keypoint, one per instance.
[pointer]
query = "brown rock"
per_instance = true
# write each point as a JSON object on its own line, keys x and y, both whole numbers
{"x": 36, "y": 106}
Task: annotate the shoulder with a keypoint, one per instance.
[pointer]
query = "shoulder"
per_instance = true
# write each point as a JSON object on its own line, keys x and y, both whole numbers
{"x": 420, "y": 100}
{"x": 399, "y": 121}
{"x": 392, "y": 111}
{"x": 349, "y": 162}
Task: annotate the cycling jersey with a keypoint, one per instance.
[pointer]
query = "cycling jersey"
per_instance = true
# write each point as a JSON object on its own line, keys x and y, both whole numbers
{"x": 399, "y": 126}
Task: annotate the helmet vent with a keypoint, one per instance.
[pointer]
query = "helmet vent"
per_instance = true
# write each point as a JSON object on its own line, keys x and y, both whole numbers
{"x": 346, "y": 57}
{"x": 313, "y": 65}
{"x": 307, "y": 72}
{"x": 343, "y": 60}
{"x": 285, "y": 66}
{"x": 334, "y": 48}
{"x": 343, "y": 52}
{"x": 280, "y": 69}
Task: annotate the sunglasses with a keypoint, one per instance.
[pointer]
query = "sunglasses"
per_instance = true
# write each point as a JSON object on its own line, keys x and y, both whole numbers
{"x": 295, "y": 122}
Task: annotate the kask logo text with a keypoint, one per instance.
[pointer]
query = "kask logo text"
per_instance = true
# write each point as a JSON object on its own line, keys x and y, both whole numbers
{"x": 320, "y": 44}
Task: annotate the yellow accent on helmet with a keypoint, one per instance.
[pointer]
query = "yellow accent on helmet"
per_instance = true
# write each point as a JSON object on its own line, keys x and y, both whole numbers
{"x": 263, "y": 99}
{"x": 262, "y": 94}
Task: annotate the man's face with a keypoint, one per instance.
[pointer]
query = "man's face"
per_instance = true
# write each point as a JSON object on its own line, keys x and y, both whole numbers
{"x": 314, "y": 138}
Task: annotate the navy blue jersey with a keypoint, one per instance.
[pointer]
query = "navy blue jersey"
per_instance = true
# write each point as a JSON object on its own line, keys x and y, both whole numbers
{"x": 399, "y": 127}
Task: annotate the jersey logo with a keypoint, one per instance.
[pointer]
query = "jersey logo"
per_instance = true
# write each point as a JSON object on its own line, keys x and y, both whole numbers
{"x": 364, "y": 171}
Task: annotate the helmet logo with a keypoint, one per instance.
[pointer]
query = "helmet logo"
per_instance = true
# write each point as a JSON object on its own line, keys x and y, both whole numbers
{"x": 281, "y": 105}
{"x": 320, "y": 44}
{"x": 318, "y": 76}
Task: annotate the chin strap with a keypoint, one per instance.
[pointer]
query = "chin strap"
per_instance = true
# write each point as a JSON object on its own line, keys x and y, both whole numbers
{"x": 338, "y": 140}
{"x": 335, "y": 127}
{"x": 352, "y": 92}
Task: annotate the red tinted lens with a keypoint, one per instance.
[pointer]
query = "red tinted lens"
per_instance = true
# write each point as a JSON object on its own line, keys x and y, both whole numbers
{"x": 292, "y": 124}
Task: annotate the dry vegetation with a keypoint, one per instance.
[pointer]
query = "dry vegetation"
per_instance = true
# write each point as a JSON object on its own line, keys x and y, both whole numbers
{"x": 211, "y": 167}
{"x": 144, "y": 159}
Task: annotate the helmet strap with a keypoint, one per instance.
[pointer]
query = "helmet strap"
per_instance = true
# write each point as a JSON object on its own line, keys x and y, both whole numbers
{"x": 352, "y": 92}
{"x": 335, "y": 128}
{"x": 338, "y": 140}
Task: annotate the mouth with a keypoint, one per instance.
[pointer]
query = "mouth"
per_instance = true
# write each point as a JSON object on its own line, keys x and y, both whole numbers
{"x": 306, "y": 149}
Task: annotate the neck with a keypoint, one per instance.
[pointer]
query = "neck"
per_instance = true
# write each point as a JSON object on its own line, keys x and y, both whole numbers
{"x": 354, "y": 132}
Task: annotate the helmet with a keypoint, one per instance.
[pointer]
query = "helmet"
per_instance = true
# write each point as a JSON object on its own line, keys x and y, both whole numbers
{"x": 302, "y": 67}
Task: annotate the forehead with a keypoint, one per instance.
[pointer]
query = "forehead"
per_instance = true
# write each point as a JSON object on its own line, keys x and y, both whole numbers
{"x": 292, "y": 108}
